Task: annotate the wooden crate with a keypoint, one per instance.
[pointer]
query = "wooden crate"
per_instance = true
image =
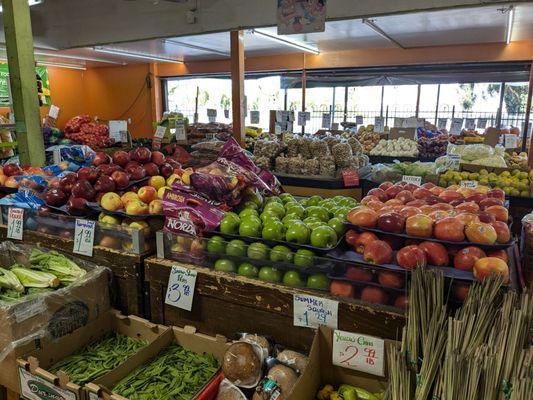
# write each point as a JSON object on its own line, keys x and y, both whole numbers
{"x": 228, "y": 304}
{"x": 128, "y": 270}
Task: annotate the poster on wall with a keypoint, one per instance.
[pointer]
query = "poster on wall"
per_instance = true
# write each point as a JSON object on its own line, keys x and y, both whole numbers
{"x": 301, "y": 16}
{"x": 43, "y": 86}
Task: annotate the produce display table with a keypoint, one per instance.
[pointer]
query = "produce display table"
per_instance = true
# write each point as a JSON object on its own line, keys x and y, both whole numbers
{"x": 228, "y": 304}
{"x": 298, "y": 185}
{"x": 127, "y": 268}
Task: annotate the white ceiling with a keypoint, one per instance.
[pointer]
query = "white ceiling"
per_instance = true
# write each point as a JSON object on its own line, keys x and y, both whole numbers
{"x": 447, "y": 27}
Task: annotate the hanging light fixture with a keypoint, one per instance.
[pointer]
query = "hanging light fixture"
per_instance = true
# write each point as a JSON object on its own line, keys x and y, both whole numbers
{"x": 287, "y": 42}
{"x": 143, "y": 56}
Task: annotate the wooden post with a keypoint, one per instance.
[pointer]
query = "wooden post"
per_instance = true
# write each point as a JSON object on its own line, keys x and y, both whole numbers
{"x": 528, "y": 117}
{"x": 417, "y": 110}
{"x": 237, "y": 84}
{"x": 304, "y": 88}
{"x": 19, "y": 44}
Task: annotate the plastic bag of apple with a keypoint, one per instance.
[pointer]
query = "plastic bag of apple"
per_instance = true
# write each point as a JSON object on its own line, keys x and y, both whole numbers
{"x": 129, "y": 184}
{"x": 408, "y": 226}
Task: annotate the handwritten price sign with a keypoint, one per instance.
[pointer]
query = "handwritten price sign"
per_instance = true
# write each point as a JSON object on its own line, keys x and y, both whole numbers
{"x": 84, "y": 237}
{"x": 311, "y": 311}
{"x": 358, "y": 352}
{"x": 15, "y": 223}
{"x": 180, "y": 290}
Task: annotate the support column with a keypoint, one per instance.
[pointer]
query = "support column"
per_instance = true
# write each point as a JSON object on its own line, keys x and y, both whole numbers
{"x": 417, "y": 109}
{"x": 304, "y": 88}
{"x": 528, "y": 119}
{"x": 237, "y": 85}
{"x": 19, "y": 44}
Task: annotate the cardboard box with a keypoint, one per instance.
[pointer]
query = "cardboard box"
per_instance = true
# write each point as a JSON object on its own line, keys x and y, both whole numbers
{"x": 186, "y": 337}
{"x": 406, "y": 133}
{"x": 33, "y": 367}
{"x": 321, "y": 371}
{"x": 53, "y": 315}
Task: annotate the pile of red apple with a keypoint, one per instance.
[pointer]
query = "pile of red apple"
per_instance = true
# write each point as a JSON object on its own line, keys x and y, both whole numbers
{"x": 81, "y": 129}
{"x": 110, "y": 178}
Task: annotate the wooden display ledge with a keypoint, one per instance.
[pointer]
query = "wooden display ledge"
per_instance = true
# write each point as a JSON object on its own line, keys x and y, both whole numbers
{"x": 128, "y": 272}
{"x": 228, "y": 304}
{"x": 310, "y": 186}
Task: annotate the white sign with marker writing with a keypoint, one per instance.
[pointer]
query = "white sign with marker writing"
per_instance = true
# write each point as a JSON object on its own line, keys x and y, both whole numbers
{"x": 398, "y": 122}
{"x": 470, "y": 123}
{"x": 53, "y": 112}
{"x": 359, "y": 120}
{"x": 455, "y": 161}
{"x": 482, "y": 123}
{"x": 326, "y": 120}
{"x": 417, "y": 180}
{"x": 211, "y": 114}
{"x": 160, "y": 131}
{"x": 411, "y": 122}
{"x": 118, "y": 130}
{"x": 15, "y": 223}
{"x": 469, "y": 184}
{"x": 303, "y": 117}
{"x": 358, "y": 352}
{"x": 379, "y": 124}
{"x": 311, "y": 311}
{"x": 84, "y": 237}
{"x": 180, "y": 130}
{"x": 442, "y": 123}
{"x": 180, "y": 290}
{"x": 510, "y": 141}
{"x": 254, "y": 117}
{"x": 457, "y": 126}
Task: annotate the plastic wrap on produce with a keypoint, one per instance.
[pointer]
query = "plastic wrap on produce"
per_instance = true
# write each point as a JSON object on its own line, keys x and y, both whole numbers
{"x": 49, "y": 314}
{"x": 76, "y": 156}
{"x": 228, "y": 390}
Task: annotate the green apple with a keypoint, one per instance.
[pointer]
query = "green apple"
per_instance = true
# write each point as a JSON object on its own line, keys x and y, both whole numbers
{"x": 230, "y": 224}
{"x": 293, "y": 278}
{"x": 286, "y": 197}
{"x": 337, "y": 225}
{"x": 320, "y": 212}
{"x": 289, "y": 218}
{"x": 310, "y": 220}
{"x": 328, "y": 204}
{"x": 304, "y": 258}
{"x": 258, "y": 251}
{"x": 318, "y": 281}
{"x": 273, "y": 230}
{"x": 303, "y": 202}
{"x": 269, "y": 274}
{"x": 298, "y": 233}
{"x": 254, "y": 197}
{"x": 232, "y": 216}
{"x": 275, "y": 199}
{"x": 216, "y": 245}
{"x": 313, "y": 201}
{"x": 275, "y": 208}
{"x": 250, "y": 227}
{"x": 316, "y": 224}
{"x": 247, "y": 269}
{"x": 295, "y": 208}
{"x": 268, "y": 215}
{"x": 224, "y": 265}
{"x": 247, "y": 213}
{"x": 342, "y": 213}
{"x": 281, "y": 253}
{"x": 236, "y": 247}
{"x": 324, "y": 236}
{"x": 251, "y": 204}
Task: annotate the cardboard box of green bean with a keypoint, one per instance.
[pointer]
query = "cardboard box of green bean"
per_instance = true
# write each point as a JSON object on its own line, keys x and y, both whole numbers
{"x": 61, "y": 368}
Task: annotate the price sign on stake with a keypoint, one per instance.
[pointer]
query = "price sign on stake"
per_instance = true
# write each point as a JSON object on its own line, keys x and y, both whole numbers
{"x": 180, "y": 130}
{"x": 457, "y": 126}
{"x": 379, "y": 124}
{"x": 311, "y": 311}
{"x": 84, "y": 237}
{"x": 510, "y": 141}
{"x": 326, "y": 120}
{"x": 455, "y": 162}
{"x": 469, "y": 184}
{"x": 160, "y": 131}
{"x": 482, "y": 123}
{"x": 470, "y": 123}
{"x": 417, "y": 180}
{"x": 443, "y": 123}
{"x": 303, "y": 117}
{"x": 180, "y": 290}
{"x": 254, "y": 117}
{"x": 359, "y": 120}
{"x": 53, "y": 112}
{"x": 15, "y": 223}
{"x": 358, "y": 352}
{"x": 350, "y": 177}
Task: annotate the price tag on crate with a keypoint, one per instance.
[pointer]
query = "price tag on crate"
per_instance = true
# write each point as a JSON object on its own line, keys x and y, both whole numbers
{"x": 359, "y": 120}
{"x": 455, "y": 161}
{"x": 36, "y": 388}
{"x": 442, "y": 123}
{"x": 470, "y": 123}
{"x": 510, "y": 141}
{"x": 160, "y": 131}
{"x": 254, "y": 117}
{"x": 311, "y": 311}
{"x": 15, "y": 223}
{"x": 326, "y": 120}
{"x": 469, "y": 184}
{"x": 417, "y": 180}
{"x": 358, "y": 352}
{"x": 457, "y": 126}
{"x": 379, "y": 124}
{"x": 211, "y": 114}
{"x": 350, "y": 177}
{"x": 482, "y": 123}
{"x": 84, "y": 237}
{"x": 180, "y": 290}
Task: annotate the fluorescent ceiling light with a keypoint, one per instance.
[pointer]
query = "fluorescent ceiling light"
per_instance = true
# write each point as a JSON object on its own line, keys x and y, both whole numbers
{"x": 193, "y": 46}
{"x": 135, "y": 55}
{"x": 30, "y": 3}
{"x": 372, "y": 25}
{"x": 286, "y": 42}
{"x": 60, "y": 65}
{"x": 510, "y": 23}
{"x": 73, "y": 57}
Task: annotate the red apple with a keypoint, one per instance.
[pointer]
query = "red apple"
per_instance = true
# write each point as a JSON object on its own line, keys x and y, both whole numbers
{"x": 136, "y": 173}
{"x": 497, "y": 194}
{"x": 481, "y": 233}
{"x": 450, "y": 229}
{"x": 416, "y": 203}
{"x": 391, "y": 279}
{"x": 77, "y": 206}
{"x": 151, "y": 169}
{"x": 391, "y": 222}
{"x": 379, "y": 193}
{"x": 363, "y": 216}
{"x": 12, "y": 170}
{"x": 103, "y": 169}
{"x": 393, "y": 191}
{"x": 484, "y": 267}
{"x": 490, "y": 201}
{"x": 343, "y": 289}
{"x": 385, "y": 185}
{"x": 500, "y": 213}
{"x": 401, "y": 302}
{"x": 442, "y": 207}
{"x": 166, "y": 170}
{"x": 378, "y": 252}
{"x": 450, "y": 195}
{"x": 121, "y": 158}
{"x": 405, "y": 196}
{"x": 394, "y": 202}
{"x": 411, "y": 257}
{"x": 468, "y": 206}
{"x": 460, "y": 291}
{"x": 350, "y": 236}
{"x": 433, "y": 200}
{"x": 363, "y": 240}
{"x": 101, "y": 158}
{"x": 66, "y": 183}
{"x": 436, "y": 253}
{"x": 476, "y": 197}
{"x": 131, "y": 164}
{"x": 358, "y": 274}
{"x": 467, "y": 257}
{"x": 421, "y": 193}
{"x": 409, "y": 211}
{"x": 105, "y": 184}
{"x": 55, "y": 197}
{"x": 455, "y": 203}
{"x": 367, "y": 199}
{"x": 158, "y": 158}
{"x": 438, "y": 215}
{"x": 375, "y": 205}
{"x": 141, "y": 154}
{"x": 410, "y": 187}
{"x": 121, "y": 179}
{"x": 419, "y": 225}
{"x": 88, "y": 173}
{"x": 467, "y": 218}
{"x": 437, "y": 190}
{"x": 428, "y": 185}
{"x": 485, "y": 217}
{"x": 83, "y": 189}
{"x": 501, "y": 254}
{"x": 374, "y": 295}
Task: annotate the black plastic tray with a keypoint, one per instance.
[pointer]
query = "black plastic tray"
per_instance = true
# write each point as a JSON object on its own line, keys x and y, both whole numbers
{"x": 395, "y": 291}
{"x": 63, "y": 209}
{"x": 431, "y": 239}
{"x": 294, "y": 246}
{"x": 132, "y": 183}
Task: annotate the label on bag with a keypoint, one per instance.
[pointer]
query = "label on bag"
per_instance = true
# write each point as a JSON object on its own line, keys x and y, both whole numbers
{"x": 379, "y": 124}
{"x": 84, "y": 237}
{"x": 180, "y": 290}
{"x": 326, "y": 120}
{"x": 469, "y": 184}
{"x": 510, "y": 141}
{"x": 53, "y": 112}
{"x": 160, "y": 132}
{"x": 36, "y": 388}
{"x": 417, "y": 180}
{"x": 358, "y": 352}
{"x": 359, "y": 120}
{"x": 470, "y": 123}
{"x": 350, "y": 177}
{"x": 457, "y": 126}
{"x": 311, "y": 311}
{"x": 254, "y": 117}
{"x": 442, "y": 123}
{"x": 482, "y": 123}
{"x": 15, "y": 223}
